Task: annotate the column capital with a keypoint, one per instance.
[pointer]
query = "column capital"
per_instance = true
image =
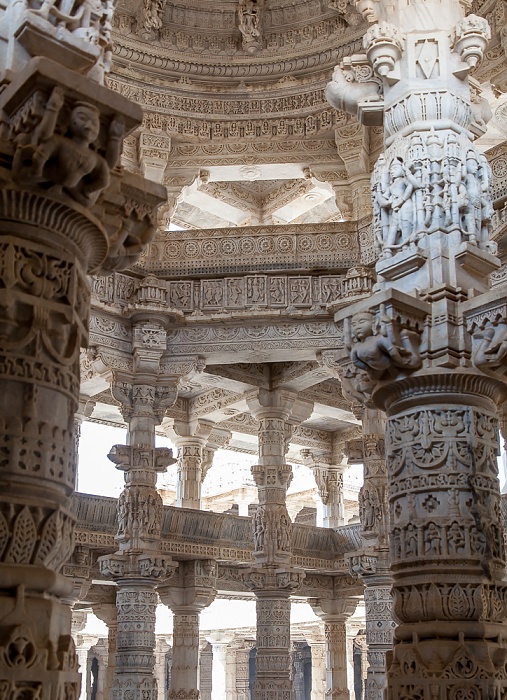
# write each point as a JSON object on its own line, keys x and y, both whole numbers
{"x": 271, "y": 581}
{"x": 278, "y": 403}
{"x": 334, "y": 609}
{"x": 193, "y": 587}
{"x": 195, "y": 432}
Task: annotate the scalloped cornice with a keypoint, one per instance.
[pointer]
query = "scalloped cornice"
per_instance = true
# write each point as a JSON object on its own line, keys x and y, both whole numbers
{"x": 162, "y": 60}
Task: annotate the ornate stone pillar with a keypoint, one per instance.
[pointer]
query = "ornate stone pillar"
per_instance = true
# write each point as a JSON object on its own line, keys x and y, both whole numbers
{"x": 428, "y": 349}
{"x": 219, "y": 686}
{"x": 138, "y": 565}
{"x": 372, "y": 562}
{"x": 161, "y": 667}
{"x": 85, "y": 643}
{"x": 230, "y": 686}
{"x": 273, "y": 579}
{"x": 328, "y": 471}
{"x": 298, "y": 674}
{"x": 107, "y": 613}
{"x": 61, "y": 137}
{"x": 192, "y": 589}
{"x": 335, "y": 614}
{"x": 318, "y": 647}
{"x": 191, "y": 439}
{"x": 243, "y": 670}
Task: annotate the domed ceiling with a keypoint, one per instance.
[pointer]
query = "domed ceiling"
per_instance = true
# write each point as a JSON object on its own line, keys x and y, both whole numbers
{"x": 236, "y": 124}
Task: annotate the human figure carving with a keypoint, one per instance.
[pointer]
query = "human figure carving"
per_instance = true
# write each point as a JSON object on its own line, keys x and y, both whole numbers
{"x": 477, "y": 205}
{"x": 153, "y": 14}
{"x": 398, "y": 204}
{"x": 68, "y": 161}
{"x": 248, "y": 14}
{"x": 491, "y": 351}
{"x": 376, "y": 352}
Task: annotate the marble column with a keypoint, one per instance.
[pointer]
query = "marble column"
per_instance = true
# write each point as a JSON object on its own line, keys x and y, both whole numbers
{"x": 192, "y": 589}
{"x": 298, "y": 673}
{"x": 230, "y": 686}
{"x": 56, "y": 186}
{"x": 433, "y": 360}
{"x": 334, "y": 614}
{"x": 318, "y": 648}
{"x": 190, "y": 439}
{"x": 328, "y": 470}
{"x": 273, "y": 579}
{"x": 161, "y": 667}
{"x": 107, "y": 613}
{"x": 139, "y": 566}
{"x": 219, "y": 685}
{"x": 243, "y": 670}
{"x": 85, "y": 643}
{"x": 371, "y": 563}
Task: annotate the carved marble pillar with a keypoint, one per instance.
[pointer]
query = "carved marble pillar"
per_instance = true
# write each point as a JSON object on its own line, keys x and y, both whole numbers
{"x": 335, "y": 614}
{"x": 230, "y": 685}
{"x": 161, "y": 667}
{"x": 138, "y": 565}
{"x": 219, "y": 686}
{"x": 371, "y": 563}
{"x": 53, "y": 232}
{"x": 243, "y": 670}
{"x": 318, "y": 647}
{"x": 273, "y": 579}
{"x": 329, "y": 479}
{"x": 85, "y": 643}
{"x": 434, "y": 361}
{"x": 107, "y": 613}
{"x": 192, "y": 589}
{"x": 191, "y": 439}
{"x": 298, "y": 672}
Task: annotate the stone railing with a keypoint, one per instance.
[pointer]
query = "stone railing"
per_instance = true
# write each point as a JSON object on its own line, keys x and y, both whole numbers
{"x": 202, "y": 534}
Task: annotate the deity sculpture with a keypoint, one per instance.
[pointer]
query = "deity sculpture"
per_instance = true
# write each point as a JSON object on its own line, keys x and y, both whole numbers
{"x": 249, "y": 24}
{"x": 153, "y": 14}
{"x": 373, "y": 347}
{"x": 490, "y": 352}
{"x": 68, "y": 161}
{"x": 396, "y": 201}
